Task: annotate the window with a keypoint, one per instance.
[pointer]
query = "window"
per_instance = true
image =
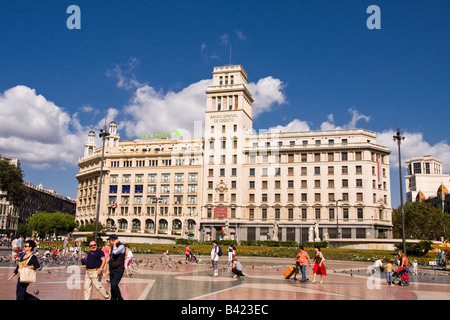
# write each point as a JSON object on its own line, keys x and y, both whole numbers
{"x": 138, "y": 188}
{"x": 345, "y": 213}
{"x": 303, "y": 171}
{"x": 359, "y": 196}
{"x": 290, "y": 214}
{"x": 317, "y": 212}
{"x": 359, "y": 183}
{"x": 331, "y": 213}
{"x": 304, "y": 214}
{"x": 251, "y": 185}
{"x": 277, "y": 213}
{"x": 114, "y": 178}
{"x": 360, "y": 213}
{"x": 344, "y": 156}
{"x": 291, "y": 184}
{"x": 252, "y": 172}
{"x": 316, "y": 170}
{"x": 304, "y": 197}
{"x": 112, "y": 189}
{"x": 344, "y": 183}
{"x": 317, "y": 157}
{"x": 358, "y": 169}
{"x": 126, "y": 189}
{"x": 264, "y": 214}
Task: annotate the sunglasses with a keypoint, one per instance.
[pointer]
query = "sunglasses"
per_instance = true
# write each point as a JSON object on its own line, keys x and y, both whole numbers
{"x": 92, "y": 245}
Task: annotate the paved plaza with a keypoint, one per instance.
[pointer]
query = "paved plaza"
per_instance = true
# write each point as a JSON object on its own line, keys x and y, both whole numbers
{"x": 160, "y": 277}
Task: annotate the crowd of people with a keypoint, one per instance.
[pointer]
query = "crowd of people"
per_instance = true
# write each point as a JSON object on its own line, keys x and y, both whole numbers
{"x": 113, "y": 261}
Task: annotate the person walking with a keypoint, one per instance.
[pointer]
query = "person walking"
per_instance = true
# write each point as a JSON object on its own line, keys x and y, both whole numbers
{"x": 27, "y": 260}
{"x": 319, "y": 266}
{"x": 95, "y": 263}
{"x": 65, "y": 250}
{"x": 128, "y": 259}
{"x": 215, "y": 258}
{"x": 302, "y": 259}
{"x": 116, "y": 266}
{"x": 187, "y": 253}
{"x": 107, "y": 252}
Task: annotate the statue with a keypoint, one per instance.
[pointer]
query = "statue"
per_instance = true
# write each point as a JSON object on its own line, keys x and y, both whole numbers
{"x": 316, "y": 231}
{"x": 311, "y": 234}
{"x": 275, "y": 231}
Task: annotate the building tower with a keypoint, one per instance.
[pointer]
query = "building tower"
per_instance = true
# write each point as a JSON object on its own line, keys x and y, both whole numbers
{"x": 228, "y": 118}
{"x": 112, "y": 140}
{"x": 89, "y": 146}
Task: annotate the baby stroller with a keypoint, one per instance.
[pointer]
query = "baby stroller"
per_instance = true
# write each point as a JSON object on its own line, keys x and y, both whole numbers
{"x": 401, "y": 277}
{"x": 192, "y": 256}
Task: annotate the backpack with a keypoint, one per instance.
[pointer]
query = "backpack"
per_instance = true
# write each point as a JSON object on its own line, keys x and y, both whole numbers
{"x": 219, "y": 252}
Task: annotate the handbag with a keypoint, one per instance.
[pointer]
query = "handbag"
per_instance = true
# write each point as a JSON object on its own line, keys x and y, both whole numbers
{"x": 27, "y": 275}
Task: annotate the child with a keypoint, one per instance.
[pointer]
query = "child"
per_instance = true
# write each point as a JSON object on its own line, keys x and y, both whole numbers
{"x": 389, "y": 269}
{"x": 415, "y": 267}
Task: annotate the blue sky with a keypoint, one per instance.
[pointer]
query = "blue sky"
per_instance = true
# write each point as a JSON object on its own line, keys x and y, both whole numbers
{"x": 312, "y": 65}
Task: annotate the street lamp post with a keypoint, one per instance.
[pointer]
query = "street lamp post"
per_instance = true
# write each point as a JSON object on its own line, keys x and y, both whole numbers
{"x": 337, "y": 220}
{"x": 399, "y": 137}
{"x": 103, "y": 134}
{"x": 156, "y": 214}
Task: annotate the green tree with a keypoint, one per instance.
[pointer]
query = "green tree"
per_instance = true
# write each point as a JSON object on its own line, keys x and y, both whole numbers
{"x": 46, "y": 223}
{"x": 11, "y": 181}
{"x": 422, "y": 221}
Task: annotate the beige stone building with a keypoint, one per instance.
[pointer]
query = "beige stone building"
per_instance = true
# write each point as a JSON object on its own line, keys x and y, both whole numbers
{"x": 239, "y": 184}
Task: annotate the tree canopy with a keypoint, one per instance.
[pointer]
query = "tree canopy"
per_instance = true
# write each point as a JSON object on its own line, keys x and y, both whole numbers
{"x": 46, "y": 223}
{"x": 11, "y": 181}
{"x": 422, "y": 221}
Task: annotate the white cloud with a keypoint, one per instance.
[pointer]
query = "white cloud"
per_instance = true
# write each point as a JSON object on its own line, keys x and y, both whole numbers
{"x": 224, "y": 39}
{"x": 37, "y": 131}
{"x": 356, "y": 116}
{"x": 266, "y": 92}
{"x": 295, "y": 125}
{"x": 152, "y": 111}
{"x": 412, "y": 146}
{"x": 240, "y": 35}
{"x": 125, "y": 75}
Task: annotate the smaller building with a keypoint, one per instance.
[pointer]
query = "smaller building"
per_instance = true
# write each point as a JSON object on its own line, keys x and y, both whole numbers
{"x": 423, "y": 178}
{"x": 39, "y": 199}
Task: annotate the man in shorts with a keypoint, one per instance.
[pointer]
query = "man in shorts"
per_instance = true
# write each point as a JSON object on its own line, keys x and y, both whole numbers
{"x": 215, "y": 258}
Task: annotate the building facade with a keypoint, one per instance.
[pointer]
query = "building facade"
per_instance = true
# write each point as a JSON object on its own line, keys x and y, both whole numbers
{"x": 235, "y": 183}
{"x": 38, "y": 199}
{"x": 424, "y": 176}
